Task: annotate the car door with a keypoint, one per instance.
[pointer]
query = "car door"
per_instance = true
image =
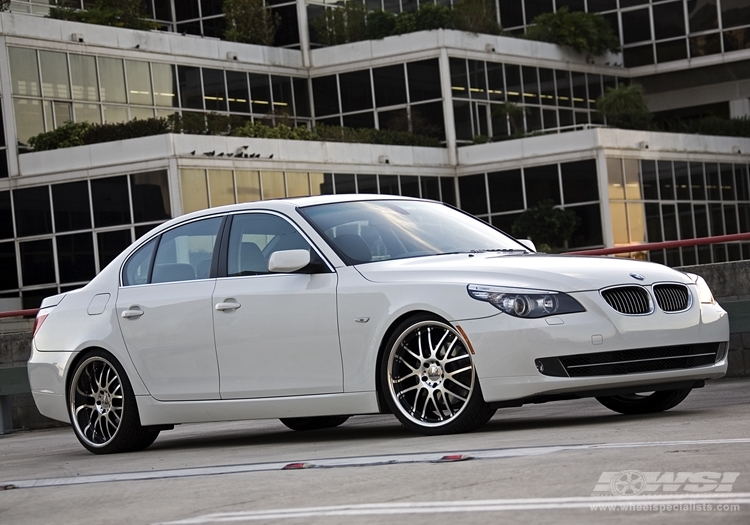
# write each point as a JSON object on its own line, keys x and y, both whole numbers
{"x": 165, "y": 312}
{"x": 276, "y": 334}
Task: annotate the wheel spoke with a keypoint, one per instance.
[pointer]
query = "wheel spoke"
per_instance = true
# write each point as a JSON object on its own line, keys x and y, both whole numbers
{"x": 437, "y": 348}
{"x": 409, "y": 351}
{"x": 421, "y": 382}
{"x": 450, "y": 375}
{"x": 447, "y": 404}
{"x": 453, "y": 380}
{"x": 454, "y": 359}
{"x": 424, "y": 408}
{"x": 413, "y": 373}
{"x": 404, "y": 362}
{"x": 82, "y": 407}
{"x": 82, "y": 393}
{"x": 418, "y": 386}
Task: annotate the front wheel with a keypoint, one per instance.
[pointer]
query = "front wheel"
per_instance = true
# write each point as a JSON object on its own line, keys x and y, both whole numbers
{"x": 428, "y": 377}
{"x": 645, "y": 403}
{"x": 102, "y": 407}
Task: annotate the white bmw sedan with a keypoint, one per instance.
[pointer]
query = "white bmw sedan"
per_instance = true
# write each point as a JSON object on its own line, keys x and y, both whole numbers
{"x": 313, "y": 309}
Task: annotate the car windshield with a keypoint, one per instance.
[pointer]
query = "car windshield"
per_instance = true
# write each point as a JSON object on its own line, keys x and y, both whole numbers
{"x": 366, "y": 231}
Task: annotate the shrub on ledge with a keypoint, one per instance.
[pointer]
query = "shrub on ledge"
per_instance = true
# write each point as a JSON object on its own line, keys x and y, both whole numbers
{"x": 130, "y": 14}
{"x": 83, "y": 133}
{"x": 585, "y": 32}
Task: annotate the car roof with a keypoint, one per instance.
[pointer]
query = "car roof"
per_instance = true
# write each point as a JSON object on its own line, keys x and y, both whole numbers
{"x": 288, "y": 204}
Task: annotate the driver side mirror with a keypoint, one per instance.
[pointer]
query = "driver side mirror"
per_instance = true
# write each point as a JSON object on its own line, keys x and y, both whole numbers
{"x": 288, "y": 261}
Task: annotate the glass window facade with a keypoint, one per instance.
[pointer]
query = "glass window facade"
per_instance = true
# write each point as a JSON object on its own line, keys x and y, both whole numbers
{"x": 666, "y": 200}
{"x": 56, "y": 237}
{"x": 652, "y": 31}
{"x": 407, "y": 97}
{"x": 50, "y": 88}
{"x": 201, "y": 189}
{"x": 498, "y": 101}
{"x": 500, "y": 197}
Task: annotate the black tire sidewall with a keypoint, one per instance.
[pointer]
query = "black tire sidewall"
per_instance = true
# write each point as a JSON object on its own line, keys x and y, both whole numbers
{"x": 656, "y": 402}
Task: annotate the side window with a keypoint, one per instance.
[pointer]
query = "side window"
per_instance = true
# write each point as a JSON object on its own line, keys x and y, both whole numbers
{"x": 137, "y": 268}
{"x": 254, "y": 237}
{"x": 185, "y": 252}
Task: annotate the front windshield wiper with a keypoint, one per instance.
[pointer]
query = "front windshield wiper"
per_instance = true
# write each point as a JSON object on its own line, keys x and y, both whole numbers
{"x": 500, "y": 250}
{"x": 493, "y": 250}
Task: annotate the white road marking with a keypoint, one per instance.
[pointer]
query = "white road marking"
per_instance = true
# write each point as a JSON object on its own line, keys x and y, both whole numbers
{"x": 607, "y": 503}
{"x": 360, "y": 461}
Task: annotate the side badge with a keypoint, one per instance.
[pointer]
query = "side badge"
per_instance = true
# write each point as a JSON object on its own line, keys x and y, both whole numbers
{"x": 361, "y": 319}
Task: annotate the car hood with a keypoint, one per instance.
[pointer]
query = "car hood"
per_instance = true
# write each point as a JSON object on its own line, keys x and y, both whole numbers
{"x": 563, "y": 273}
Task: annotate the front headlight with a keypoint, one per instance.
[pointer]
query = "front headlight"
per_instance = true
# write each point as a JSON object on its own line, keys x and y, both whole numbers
{"x": 520, "y": 302}
{"x": 704, "y": 292}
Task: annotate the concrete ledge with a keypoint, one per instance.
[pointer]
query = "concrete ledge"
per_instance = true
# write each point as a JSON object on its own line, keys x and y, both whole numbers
{"x": 15, "y": 350}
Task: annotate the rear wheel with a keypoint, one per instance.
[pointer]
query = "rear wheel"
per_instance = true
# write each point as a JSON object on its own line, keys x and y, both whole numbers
{"x": 428, "y": 377}
{"x": 645, "y": 403}
{"x": 313, "y": 423}
{"x": 102, "y": 407}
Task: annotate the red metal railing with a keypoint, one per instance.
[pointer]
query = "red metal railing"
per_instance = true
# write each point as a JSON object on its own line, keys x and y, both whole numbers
{"x": 19, "y": 313}
{"x": 665, "y": 245}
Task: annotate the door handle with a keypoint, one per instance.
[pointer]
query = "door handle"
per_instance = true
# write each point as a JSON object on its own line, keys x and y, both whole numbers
{"x": 132, "y": 313}
{"x": 226, "y": 307}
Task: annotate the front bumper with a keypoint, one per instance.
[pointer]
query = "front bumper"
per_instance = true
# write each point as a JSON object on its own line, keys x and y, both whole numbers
{"x": 506, "y": 348}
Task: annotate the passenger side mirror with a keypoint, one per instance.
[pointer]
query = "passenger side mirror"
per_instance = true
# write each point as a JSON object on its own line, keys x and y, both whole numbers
{"x": 288, "y": 261}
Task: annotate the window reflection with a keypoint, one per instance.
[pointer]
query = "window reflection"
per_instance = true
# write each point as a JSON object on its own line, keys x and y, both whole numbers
{"x": 260, "y": 92}
{"x": 194, "y": 190}
{"x": 29, "y": 118}
{"x": 24, "y": 71}
{"x": 112, "y": 76}
{"x": 221, "y": 187}
{"x": 83, "y": 73}
{"x": 273, "y": 184}
{"x": 165, "y": 85}
{"x": 55, "y": 80}
{"x": 298, "y": 184}
{"x": 191, "y": 94}
{"x": 214, "y": 90}
{"x": 238, "y": 95}
{"x": 248, "y": 186}
{"x": 139, "y": 82}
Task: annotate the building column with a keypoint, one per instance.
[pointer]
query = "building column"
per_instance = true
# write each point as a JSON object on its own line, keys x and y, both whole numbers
{"x": 739, "y": 108}
{"x": 450, "y": 123}
{"x": 304, "y": 32}
{"x": 8, "y": 113}
{"x": 603, "y": 175}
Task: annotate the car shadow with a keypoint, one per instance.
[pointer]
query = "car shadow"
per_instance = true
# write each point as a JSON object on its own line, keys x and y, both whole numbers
{"x": 365, "y": 429}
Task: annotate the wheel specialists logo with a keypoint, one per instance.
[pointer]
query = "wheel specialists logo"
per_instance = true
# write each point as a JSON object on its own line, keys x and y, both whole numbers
{"x": 636, "y": 482}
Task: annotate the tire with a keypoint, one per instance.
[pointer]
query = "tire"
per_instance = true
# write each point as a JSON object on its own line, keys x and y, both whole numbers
{"x": 313, "y": 423}
{"x": 645, "y": 403}
{"x": 102, "y": 407}
{"x": 429, "y": 380}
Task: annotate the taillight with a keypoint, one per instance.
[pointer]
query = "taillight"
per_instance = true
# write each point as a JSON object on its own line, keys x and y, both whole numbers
{"x": 38, "y": 322}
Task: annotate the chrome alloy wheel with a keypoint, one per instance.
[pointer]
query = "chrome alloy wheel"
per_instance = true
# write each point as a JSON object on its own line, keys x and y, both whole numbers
{"x": 430, "y": 374}
{"x": 97, "y": 401}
